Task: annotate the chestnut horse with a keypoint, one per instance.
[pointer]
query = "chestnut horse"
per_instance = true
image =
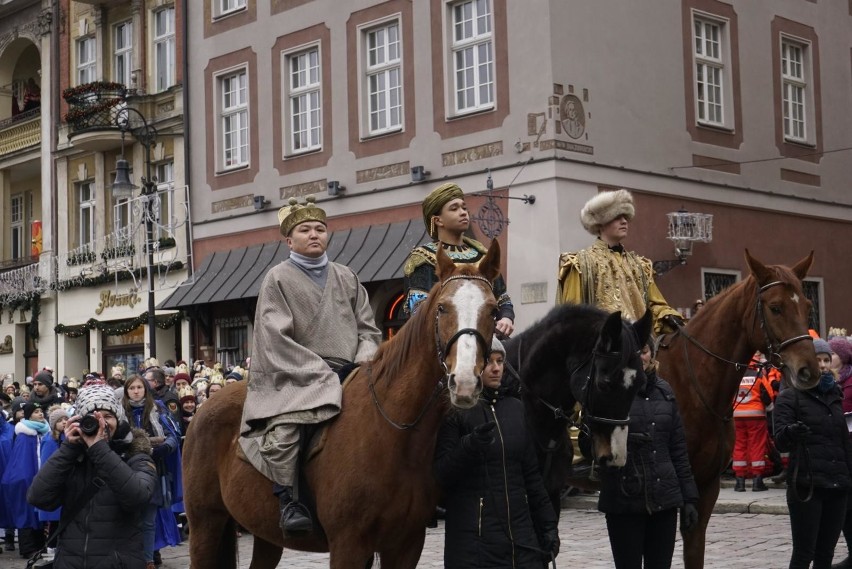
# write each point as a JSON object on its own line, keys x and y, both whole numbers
{"x": 705, "y": 361}
{"x": 372, "y": 480}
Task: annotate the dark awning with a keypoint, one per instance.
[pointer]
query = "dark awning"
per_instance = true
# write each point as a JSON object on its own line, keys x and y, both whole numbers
{"x": 375, "y": 253}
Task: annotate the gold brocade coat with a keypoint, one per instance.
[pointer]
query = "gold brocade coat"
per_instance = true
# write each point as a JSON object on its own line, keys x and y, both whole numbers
{"x": 612, "y": 281}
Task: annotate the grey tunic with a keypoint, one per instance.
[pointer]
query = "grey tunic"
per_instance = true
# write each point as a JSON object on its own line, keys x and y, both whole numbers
{"x": 296, "y": 325}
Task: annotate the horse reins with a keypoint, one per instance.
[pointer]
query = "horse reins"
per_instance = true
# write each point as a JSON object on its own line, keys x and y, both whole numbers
{"x": 442, "y": 360}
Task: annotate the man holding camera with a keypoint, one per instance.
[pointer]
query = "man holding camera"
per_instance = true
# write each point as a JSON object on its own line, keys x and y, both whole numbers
{"x": 102, "y": 476}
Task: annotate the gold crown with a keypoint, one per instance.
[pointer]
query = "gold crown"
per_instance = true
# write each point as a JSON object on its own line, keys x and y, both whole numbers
{"x": 182, "y": 368}
{"x": 217, "y": 379}
{"x": 185, "y": 392}
{"x": 293, "y": 214}
{"x": 72, "y": 384}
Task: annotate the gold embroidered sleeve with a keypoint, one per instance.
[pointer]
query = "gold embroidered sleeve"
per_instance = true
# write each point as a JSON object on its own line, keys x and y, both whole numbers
{"x": 656, "y": 302}
{"x": 568, "y": 287}
{"x": 418, "y": 256}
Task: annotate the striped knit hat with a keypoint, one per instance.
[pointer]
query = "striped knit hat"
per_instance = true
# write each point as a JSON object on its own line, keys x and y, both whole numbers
{"x": 98, "y": 396}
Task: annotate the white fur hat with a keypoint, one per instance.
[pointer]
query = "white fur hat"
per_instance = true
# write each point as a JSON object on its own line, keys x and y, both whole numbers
{"x": 605, "y": 207}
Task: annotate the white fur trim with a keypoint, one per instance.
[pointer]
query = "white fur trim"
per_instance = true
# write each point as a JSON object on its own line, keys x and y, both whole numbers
{"x": 605, "y": 207}
{"x": 22, "y": 429}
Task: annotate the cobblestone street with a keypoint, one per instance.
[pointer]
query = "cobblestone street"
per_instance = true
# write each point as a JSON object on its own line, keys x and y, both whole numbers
{"x": 735, "y": 540}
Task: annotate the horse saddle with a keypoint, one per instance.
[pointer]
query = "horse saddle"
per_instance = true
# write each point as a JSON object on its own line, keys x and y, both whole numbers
{"x": 311, "y": 437}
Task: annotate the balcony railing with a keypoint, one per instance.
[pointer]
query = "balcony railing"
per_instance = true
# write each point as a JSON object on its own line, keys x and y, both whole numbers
{"x": 20, "y": 131}
{"x": 94, "y": 106}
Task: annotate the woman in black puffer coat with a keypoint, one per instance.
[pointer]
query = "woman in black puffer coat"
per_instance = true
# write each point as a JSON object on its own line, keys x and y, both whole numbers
{"x": 106, "y": 533}
{"x": 641, "y": 499}
{"x": 811, "y": 426}
{"x": 498, "y": 512}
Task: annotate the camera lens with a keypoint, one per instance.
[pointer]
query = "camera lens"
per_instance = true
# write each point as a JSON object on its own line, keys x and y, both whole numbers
{"x": 89, "y": 425}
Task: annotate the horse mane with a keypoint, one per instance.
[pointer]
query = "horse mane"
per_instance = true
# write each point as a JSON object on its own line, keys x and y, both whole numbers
{"x": 563, "y": 329}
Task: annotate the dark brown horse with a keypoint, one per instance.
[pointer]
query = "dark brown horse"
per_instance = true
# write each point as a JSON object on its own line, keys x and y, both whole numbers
{"x": 373, "y": 480}
{"x": 705, "y": 362}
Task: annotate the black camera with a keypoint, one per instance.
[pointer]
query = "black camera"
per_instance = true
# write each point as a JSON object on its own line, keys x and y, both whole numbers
{"x": 89, "y": 424}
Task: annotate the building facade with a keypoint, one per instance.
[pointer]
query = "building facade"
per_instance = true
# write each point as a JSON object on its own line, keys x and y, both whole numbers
{"x": 731, "y": 108}
{"x": 112, "y": 81}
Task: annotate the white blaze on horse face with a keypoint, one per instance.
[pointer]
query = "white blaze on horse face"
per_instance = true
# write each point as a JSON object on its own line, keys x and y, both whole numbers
{"x": 468, "y": 299}
{"x": 795, "y": 298}
{"x": 629, "y": 376}
{"x": 618, "y": 446}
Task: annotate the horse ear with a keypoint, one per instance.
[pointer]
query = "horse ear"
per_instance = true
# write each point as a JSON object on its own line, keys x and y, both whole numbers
{"x": 489, "y": 266}
{"x": 642, "y": 327}
{"x": 801, "y": 268}
{"x": 760, "y": 271}
{"x": 445, "y": 265}
{"x": 610, "y": 338}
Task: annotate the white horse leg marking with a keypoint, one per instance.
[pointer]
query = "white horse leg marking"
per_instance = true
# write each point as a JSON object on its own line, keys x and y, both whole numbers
{"x": 618, "y": 446}
{"x": 468, "y": 299}
{"x": 629, "y": 376}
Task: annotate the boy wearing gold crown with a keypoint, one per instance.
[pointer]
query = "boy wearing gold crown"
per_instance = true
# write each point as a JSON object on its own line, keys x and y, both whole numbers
{"x": 446, "y": 217}
{"x": 608, "y": 276}
{"x": 308, "y": 309}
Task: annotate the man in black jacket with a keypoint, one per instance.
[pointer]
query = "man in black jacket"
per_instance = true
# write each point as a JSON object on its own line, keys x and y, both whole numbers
{"x": 106, "y": 531}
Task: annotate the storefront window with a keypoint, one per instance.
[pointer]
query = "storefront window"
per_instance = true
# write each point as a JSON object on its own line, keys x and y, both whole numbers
{"x": 126, "y": 349}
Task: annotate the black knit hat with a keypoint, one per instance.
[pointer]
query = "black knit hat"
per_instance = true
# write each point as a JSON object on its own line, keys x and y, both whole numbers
{"x": 29, "y": 409}
{"x": 45, "y": 378}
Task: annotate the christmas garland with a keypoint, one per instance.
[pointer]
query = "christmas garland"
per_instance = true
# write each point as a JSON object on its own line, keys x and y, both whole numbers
{"x": 108, "y": 277}
{"x": 94, "y": 88}
{"x": 117, "y": 328}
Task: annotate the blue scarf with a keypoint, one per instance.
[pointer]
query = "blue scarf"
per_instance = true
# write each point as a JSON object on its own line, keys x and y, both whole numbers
{"x": 826, "y": 382}
{"x": 38, "y": 426}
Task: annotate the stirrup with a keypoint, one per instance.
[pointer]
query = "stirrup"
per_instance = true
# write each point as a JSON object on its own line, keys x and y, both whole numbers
{"x": 296, "y": 519}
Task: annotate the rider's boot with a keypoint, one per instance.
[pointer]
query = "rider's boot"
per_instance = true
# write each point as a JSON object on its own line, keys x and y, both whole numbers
{"x": 757, "y": 485}
{"x": 740, "y": 485}
{"x": 295, "y": 517}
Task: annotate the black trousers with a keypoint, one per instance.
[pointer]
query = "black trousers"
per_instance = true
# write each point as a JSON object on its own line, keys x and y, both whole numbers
{"x": 634, "y": 537}
{"x": 815, "y": 526}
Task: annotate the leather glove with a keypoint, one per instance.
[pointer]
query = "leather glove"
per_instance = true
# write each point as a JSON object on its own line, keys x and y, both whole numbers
{"x": 688, "y": 518}
{"x": 673, "y": 321}
{"x": 798, "y": 431}
{"x": 765, "y": 397}
{"x": 550, "y": 545}
{"x": 481, "y": 437}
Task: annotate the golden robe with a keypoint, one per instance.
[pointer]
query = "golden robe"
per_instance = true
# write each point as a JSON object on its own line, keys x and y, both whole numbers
{"x": 612, "y": 281}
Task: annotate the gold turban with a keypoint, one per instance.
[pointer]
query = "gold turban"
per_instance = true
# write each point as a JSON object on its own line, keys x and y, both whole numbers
{"x": 437, "y": 199}
{"x": 293, "y": 214}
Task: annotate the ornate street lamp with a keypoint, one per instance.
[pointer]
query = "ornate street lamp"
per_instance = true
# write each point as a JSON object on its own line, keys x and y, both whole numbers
{"x": 685, "y": 229}
{"x": 122, "y": 187}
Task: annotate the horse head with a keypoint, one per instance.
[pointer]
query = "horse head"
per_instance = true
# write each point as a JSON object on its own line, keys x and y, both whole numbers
{"x": 465, "y": 308}
{"x": 782, "y": 312}
{"x": 606, "y": 392}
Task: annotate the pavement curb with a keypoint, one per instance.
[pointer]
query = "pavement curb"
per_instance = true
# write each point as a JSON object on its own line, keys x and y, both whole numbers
{"x": 767, "y": 504}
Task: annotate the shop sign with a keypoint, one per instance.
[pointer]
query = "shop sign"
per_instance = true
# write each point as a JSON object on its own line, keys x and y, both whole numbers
{"x": 110, "y": 299}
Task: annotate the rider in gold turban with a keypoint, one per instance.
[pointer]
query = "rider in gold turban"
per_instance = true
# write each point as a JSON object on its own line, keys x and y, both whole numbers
{"x": 446, "y": 218}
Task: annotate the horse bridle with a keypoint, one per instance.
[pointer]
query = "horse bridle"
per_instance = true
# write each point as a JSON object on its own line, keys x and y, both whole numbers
{"x": 774, "y": 347}
{"x": 477, "y": 335}
{"x": 442, "y": 359}
{"x": 586, "y": 395}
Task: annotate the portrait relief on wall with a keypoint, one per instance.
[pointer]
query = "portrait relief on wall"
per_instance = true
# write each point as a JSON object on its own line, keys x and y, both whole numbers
{"x": 572, "y": 116}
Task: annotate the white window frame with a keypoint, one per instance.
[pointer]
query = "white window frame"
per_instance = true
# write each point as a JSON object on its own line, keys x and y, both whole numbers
{"x": 233, "y": 120}
{"x": 166, "y": 194}
{"x": 471, "y": 91}
{"x": 382, "y": 78}
{"x": 228, "y": 7}
{"x": 122, "y": 58}
{"x": 795, "y": 80}
{"x": 86, "y": 209}
{"x": 17, "y": 215}
{"x": 164, "y": 47}
{"x": 87, "y": 70}
{"x": 738, "y": 275}
{"x": 820, "y": 282}
{"x": 711, "y": 61}
{"x": 303, "y": 100}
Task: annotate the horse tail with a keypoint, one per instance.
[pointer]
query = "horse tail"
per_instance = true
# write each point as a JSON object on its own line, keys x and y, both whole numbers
{"x": 227, "y": 551}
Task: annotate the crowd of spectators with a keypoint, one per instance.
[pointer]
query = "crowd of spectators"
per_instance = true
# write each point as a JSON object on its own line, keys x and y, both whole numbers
{"x": 45, "y": 459}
